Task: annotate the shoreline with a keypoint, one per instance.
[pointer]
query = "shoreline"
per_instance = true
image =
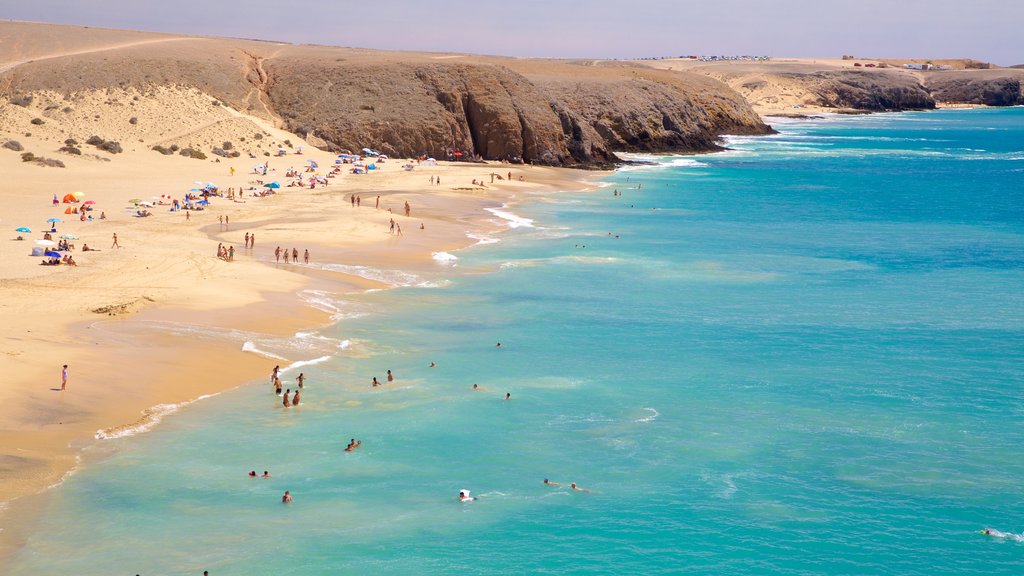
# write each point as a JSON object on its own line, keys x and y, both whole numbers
{"x": 46, "y": 443}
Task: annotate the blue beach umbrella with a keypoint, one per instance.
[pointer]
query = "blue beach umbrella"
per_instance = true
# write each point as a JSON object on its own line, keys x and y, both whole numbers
{"x": 52, "y": 254}
{"x": 53, "y": 220}
{"x": 22, "y": 229}
{"x": 272, "y": 185}
{"x": 203, "y": 202}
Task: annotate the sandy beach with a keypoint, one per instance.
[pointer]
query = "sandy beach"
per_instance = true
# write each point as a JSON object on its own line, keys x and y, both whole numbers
{"x": 166, "y": 269}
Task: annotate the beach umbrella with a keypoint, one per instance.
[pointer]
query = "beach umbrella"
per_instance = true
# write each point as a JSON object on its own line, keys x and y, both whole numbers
{"x": 22, "y": 229}
{"x": 46, "y": 242}
{"x": 52, "y": 254}
{"x": 147, "y": 204}
{"x": 203, "y": 202}
{"x": 53, "y": 220}
{"x": 69, "y": 236}
{"x": 135, "y": 200}
{"x": 78, "y": 195}
{"x": 87, "y": 202}
{"x": 313, "y": 164}
{"x": 274, "y": 185}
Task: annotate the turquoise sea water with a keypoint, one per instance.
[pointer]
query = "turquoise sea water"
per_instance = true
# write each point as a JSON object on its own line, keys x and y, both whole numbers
{"x": 801, "y": 356}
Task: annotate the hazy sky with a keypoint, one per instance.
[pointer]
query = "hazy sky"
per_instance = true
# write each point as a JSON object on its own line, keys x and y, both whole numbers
{"x": 983, "y": 29}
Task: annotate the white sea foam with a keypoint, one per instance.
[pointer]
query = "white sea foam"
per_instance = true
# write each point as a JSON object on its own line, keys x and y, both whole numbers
{"x": 150, "y": 418}
{"x": 482, "y": 238}
{"x": 658, "y": 162}
{"x": 511, "y": 220}
{"x": 649, "y": 418}
{"x": 445, "y": 258}
{"x": 301, "y": 363}
{"x": 393, "y": 278}
{"x": 338, "y": 308}
{"x": 250, "y": 346}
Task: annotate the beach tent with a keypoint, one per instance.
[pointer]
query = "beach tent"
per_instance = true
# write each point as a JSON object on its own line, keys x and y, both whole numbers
{"x": 430, "y": 162}
{"x": 69, "y": 210}
{"x": 313, "y": 164}
{"x": 371, "y": 167}
{"x": 369, "y": 152}
{"x": 70, "y": 199}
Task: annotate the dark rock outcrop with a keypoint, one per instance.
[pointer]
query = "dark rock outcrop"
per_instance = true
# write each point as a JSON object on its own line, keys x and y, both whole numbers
{"x": 869, "y": 91}
{"x": 975, "y": 88}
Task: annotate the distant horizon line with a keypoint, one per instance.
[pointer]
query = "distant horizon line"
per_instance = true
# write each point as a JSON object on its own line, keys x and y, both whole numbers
{"x": 421, "y": 51}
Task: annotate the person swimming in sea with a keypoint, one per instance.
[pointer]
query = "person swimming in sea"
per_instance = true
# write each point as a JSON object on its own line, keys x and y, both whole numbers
{"x": 464, "y": 496}
{"x": 550, "y": 483}
{"x": 577, "y": 488}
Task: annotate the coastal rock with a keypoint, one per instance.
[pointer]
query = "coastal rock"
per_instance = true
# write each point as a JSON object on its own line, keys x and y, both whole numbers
{"x": 992, "y": 88}
{"x": 404, "y": 104}
{"x": 869, "y": 91}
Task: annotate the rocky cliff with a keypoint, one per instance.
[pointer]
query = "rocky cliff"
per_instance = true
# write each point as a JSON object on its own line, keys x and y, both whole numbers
{"x": 988, "y": 87}
{"x": 404, "y": 104}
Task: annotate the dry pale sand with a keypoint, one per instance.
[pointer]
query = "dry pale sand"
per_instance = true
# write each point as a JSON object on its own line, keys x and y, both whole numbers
{"x": 166, "y": 269}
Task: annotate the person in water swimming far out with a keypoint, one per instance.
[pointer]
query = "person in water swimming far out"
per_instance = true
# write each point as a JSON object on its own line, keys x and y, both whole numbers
{"x": 287, "y": 498}
{"x": 550, "y": 483}
{"x": 577, "y": 488}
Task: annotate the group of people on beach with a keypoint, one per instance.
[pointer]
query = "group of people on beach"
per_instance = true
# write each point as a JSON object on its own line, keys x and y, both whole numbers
{"x": 278, "y": 253}
{"x": 288, "y": 400}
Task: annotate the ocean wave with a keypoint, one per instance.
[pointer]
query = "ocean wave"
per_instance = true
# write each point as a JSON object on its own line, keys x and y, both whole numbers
{"x": 658, "y": 162}
{"x": 150, "y": 418}
{"x": 301, "y": 363}
{"x": 393, "y": 278}
{"x": 510, "y": 219}
{"x": 250, "y": 346}
{"x": 649, "y": 418}
{"x": 445, "y": 258}
{"x": 338, "y": 308}
{"x": 482, "y": 238}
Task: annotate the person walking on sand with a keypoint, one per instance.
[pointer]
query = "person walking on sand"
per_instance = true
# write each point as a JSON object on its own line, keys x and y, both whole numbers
{"x": 305, "y": 257}
{"x": 188, "y": 216}
{"x": 115, "y": 244}
{"x": 398, "y": 229}
{"x": 378, "y": 203}
{"x": 64, "y": 378}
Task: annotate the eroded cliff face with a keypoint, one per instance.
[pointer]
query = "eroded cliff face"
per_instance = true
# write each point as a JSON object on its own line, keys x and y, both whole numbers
{"x": 405, "y": 104}
{"x": 562, "y": 118}
{"x": 870, "y": 91}
{"x": 990, "y": 88}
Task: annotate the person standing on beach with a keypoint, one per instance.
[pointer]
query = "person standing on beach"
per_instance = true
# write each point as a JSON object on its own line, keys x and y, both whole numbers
{"x": 246, "y": 239}
{"x": 64, "y": 378}
{"x": 353, "y": 198}
{"x": 285, "y": 255}
{"x": 407, "y": 208}
{"x": 378, "y": 203}
{"x": 398, "y": 229}
{"x": 392, "y": 231}
{"x": 252, "y": 241}
{"x": 305, "y": 257}
{"x": 231, "y": 254}
{"x": 359, "y": 201}
{"x": 188, "y": 216}
{"x": 115, "y": 244}
{"x": 277, "y": 254}
{"x": 295, "y": 255}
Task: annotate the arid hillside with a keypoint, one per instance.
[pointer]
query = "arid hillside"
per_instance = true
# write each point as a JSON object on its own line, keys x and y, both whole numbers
{"x": 404, "y": 104}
